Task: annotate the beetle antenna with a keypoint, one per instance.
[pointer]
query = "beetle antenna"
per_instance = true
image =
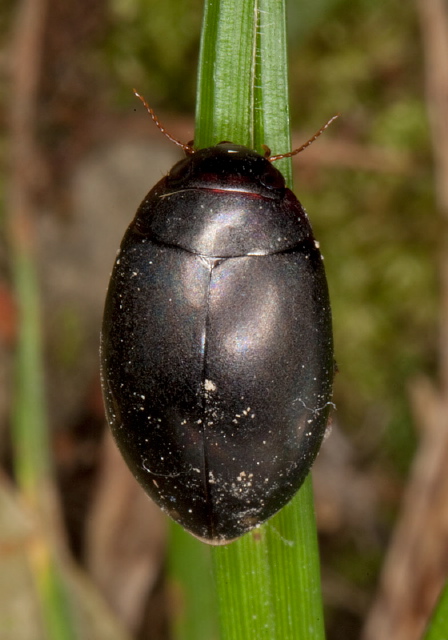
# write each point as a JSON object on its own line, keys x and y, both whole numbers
{"x": 306, "y": 144}
{"x": 186, "y": 147}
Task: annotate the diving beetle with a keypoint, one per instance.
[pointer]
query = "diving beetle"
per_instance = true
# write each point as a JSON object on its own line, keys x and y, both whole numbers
{"x": 216, "y": 343}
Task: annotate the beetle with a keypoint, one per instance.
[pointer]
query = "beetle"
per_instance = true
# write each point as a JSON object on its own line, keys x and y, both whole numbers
{"x": 216, "y": 342}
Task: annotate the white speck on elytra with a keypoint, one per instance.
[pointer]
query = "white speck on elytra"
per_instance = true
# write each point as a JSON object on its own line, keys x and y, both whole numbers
{"x": 209, "y": 385}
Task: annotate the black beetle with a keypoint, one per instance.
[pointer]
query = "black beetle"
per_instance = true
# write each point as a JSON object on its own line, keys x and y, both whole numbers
{"x": 216, "y": 347}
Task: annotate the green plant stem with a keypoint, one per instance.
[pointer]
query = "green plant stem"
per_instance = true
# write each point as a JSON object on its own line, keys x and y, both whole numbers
{"x": 438, "y": 625}
{"x": 29, "y": 423}
{"x": 268, "y": 581}
{"x": 225, "y": 100}
{"x": 30, "y": 439}
{"x": 191, "y": 587}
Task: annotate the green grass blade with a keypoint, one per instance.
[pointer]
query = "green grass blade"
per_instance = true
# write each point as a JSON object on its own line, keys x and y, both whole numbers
{"x": 29, "y": 423}
{"x": 57, "y": 615}
{"x": 224, "y": 108}
{"x": 194, "y": 614}
{"x": 268, "y": 582}
{"x": 295, "y": 568}
{"x": 30, "y": 440}
{"x": 271, "y": 103}
{"x": 29, "y": 426}
{"x": 438, "y": 625}
{"x": 244, "y": 585}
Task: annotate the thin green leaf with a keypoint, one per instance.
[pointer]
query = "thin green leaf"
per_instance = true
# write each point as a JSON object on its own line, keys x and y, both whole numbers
{"x": 295, "y": 569}
{"x": 268, "y": 582}
{"x": 31, "y": 446}
{"x": 271, "y": 104}
{"x": 194, "y": 613}
{"x": 29, "y": 422}
{"x": 438, "y": 626}
{"x": 225, "y": 104}
{"x": 30, "y": 438}
{"x": 245, "y": 592}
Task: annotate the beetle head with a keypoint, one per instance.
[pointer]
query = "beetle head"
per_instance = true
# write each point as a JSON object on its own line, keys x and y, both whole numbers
{"x": 189, "y": 148}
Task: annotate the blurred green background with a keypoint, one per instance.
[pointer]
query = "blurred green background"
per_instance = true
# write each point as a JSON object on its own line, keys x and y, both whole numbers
{"x": 367, "y": 184}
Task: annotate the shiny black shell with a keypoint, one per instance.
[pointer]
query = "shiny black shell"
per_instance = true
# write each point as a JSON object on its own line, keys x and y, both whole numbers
{"x": 216, "y": 348}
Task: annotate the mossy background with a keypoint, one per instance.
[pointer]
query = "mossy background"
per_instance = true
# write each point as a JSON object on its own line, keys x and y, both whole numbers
{"x": 367, "y": 185}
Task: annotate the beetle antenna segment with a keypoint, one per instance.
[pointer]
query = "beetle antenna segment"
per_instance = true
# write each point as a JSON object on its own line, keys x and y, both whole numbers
{"x": 267, "y": 151}
{"x": 186, "y": 147}
{"x": 307, "y": 143}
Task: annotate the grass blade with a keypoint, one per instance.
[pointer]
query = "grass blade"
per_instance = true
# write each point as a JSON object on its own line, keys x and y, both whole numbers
{"x": 190, "y": 587}
{"x": 31, "y": 448}
{"x": 268, "y": 582}
{"x": 438, "y": 625}
{"x": 225, "y": 104}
